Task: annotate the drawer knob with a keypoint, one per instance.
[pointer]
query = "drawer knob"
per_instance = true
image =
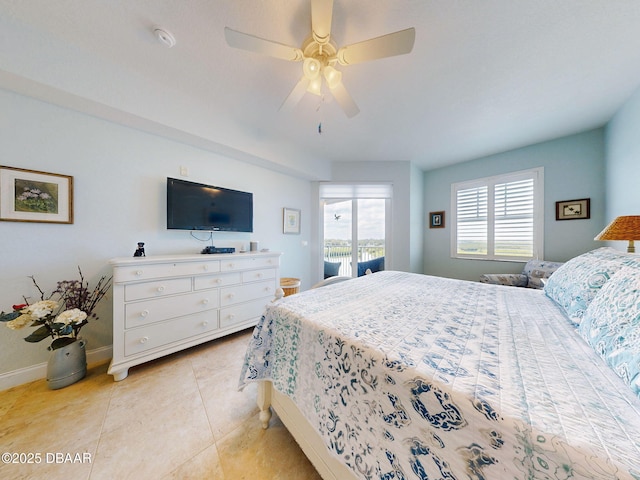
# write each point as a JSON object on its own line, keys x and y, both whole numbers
{"x": 231, "y": 295}
{"x": 205, "y": 301}
{"x": 161, "y": 288}
{"x": 205, "y": 267}
{"x": 218, "y": 280}
{"x": 205, "y": 323}
{"x": 231, "y": 316}
{"x": 138, "y": 272}
{"x": 144, "y": 313}
{"x": 259, "y": 275}
{"x": 144, "y": 340}
{"x": 231, "y": 265}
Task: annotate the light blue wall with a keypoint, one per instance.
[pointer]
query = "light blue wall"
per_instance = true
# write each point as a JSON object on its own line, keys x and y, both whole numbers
{"x": 623, "y": 161}
{"x": 574, "y": 168}
{"x": 417, "y": 220}
{"x": 120, "y": 198}
{"x": 407, "y": 206}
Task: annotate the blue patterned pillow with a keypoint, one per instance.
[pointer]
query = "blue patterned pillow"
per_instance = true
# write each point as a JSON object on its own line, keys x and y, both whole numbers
{"x": 574, "y": 284}
{"x": 611, "y": 325}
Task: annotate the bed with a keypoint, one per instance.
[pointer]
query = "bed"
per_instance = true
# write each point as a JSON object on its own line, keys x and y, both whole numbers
{"x": 404, "y": 376}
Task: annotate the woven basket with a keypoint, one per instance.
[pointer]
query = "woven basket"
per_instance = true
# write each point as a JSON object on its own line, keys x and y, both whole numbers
{"x": 290, "y": 285}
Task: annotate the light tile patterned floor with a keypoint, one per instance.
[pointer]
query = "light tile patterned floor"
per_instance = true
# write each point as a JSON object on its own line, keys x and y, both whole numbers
{"x": 179, "y": 417}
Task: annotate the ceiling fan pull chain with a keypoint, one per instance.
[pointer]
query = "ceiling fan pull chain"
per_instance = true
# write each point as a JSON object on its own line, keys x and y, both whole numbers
{"x": 320, "y": 102}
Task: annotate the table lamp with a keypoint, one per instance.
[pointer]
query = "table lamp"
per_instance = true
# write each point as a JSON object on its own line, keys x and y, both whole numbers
{"x": 622, "y": 228}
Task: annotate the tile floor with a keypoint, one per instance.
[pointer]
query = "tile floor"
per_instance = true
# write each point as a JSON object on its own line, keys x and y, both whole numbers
{"x": 179, "y": 417}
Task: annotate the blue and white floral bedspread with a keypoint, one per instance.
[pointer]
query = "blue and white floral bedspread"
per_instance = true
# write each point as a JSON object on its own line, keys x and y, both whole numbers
{"x": 409, "y": 376}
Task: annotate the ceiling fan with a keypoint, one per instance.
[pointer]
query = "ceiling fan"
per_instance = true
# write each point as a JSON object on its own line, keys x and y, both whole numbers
{"x": 319, "y": 55}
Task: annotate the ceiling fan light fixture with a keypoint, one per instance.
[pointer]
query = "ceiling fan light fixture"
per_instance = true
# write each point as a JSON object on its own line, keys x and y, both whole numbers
{"x": 311, "y": 68}
{"x": 319, "y": 54}
{"x": 332, "y": 76}
{"x": 315, "y": 86}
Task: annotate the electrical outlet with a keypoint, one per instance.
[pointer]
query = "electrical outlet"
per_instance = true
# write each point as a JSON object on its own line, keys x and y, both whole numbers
{"x": 184, "y": 171}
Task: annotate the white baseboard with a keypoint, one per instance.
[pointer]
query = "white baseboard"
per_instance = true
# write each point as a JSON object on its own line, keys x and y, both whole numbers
{"x": 36, "y": 372}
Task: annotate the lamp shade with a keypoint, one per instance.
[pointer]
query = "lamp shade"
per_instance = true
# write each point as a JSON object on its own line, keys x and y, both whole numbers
{"x": 315, "y": 86}
{"x": 333, "y": 76}
{"x": 311, "y": 68}
{"x": 622, "y": 228}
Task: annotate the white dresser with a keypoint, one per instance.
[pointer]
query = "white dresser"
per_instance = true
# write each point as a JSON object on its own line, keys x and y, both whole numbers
{"x": 163, "y": 304}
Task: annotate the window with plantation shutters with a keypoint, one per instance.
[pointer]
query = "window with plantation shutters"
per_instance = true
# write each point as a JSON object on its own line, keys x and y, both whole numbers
{"x": 499, "y": 218}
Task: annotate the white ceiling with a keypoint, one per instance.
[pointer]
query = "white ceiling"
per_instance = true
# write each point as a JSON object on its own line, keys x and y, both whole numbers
{"x": 484, "y": 76}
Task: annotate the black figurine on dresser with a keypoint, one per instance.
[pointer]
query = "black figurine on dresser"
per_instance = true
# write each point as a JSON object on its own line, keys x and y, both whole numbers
{"x": 140, "y": 250}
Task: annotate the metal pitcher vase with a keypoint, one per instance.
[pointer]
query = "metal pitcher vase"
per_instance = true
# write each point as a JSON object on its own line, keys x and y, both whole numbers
{"x": 67, "y": 365}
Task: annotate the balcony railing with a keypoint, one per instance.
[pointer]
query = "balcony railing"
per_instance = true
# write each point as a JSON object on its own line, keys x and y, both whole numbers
{"x": 342, "y": 253}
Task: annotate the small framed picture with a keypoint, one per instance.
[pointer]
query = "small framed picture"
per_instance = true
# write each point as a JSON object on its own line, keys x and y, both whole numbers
{"x": 436, "y": 219}
{"x": 573, "y": 209}
{"x": 32, "y": 196}
{"x": 291, "y": 220}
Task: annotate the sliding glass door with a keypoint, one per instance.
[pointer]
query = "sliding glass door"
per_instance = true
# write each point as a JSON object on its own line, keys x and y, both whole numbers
{"x": 355, "y": 230}
{"x": 338, "y": 237}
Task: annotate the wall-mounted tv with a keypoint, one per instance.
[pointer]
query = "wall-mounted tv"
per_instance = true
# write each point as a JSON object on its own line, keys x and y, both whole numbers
{"x": 196, "y": 206}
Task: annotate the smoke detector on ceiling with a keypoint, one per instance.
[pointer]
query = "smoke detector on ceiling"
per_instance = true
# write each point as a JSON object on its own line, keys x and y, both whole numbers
{"x": 165, "y": 37}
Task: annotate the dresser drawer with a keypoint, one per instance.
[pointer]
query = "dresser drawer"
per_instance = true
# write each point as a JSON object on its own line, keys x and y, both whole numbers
{"x": 159, "y": 288}
{"x": 241, "y": 313}
{"x": 246, "y": 293}
{"x": 156, "y": 310}
{"x": 257, "y": 275}
{"x": 133, "y": 273}
{"x": 214, "y": 281}
{"x": 231, "y": 264}
{"x": 142, "y": 339}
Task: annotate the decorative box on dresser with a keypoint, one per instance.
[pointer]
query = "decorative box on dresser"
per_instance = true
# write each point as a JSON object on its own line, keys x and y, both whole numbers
{"x": 163, "y": 304}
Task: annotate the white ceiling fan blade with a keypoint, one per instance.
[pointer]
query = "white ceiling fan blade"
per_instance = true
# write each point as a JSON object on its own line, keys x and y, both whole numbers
{"x": 321, "y": 13}
{"x": 296, "y": 94}
{"x": 345, "y": 101}
{"x": 244, "y": 41}
{"x": 389, "y": 45}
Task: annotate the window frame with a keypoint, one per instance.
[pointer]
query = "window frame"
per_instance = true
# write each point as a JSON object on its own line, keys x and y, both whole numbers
{"x": 537, "y": 175}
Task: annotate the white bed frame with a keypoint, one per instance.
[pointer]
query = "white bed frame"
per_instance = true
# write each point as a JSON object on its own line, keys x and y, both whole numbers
{"x": 305, "y": 435}
{"x": 308, "y": 439}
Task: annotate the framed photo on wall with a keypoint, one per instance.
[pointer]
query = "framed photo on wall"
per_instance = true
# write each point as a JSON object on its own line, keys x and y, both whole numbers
{"x": 573, "y": 209}
{"x": 436, "y": 219}
{"x": 291, "y": 220}
{"x": 33, "y": 196}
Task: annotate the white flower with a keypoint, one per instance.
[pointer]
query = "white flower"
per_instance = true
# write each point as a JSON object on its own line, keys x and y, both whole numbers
{"x": 41, "y": 309}
{"x": 72, "y": 316}
{"x": 20, "y": 322}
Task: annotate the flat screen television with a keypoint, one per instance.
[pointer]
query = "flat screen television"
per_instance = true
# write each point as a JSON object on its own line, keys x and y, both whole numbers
{"x": 196, "y": 206}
